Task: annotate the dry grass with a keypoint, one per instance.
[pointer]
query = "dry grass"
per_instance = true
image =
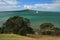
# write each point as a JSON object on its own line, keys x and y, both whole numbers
{"x": 30, "y": 37}
{"x": 44, "y": 37}
{"x": 13, "y": 37}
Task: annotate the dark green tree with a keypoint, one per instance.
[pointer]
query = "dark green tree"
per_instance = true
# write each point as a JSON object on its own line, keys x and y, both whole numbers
{"x": 17, "y": 25}
{"x": 46, "y": 28}
{"x": 46, "y": 25}
{"x": 0, "y": 30}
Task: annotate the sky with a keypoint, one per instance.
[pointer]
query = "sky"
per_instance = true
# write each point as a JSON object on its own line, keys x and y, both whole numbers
{"x": 42, "y": 5}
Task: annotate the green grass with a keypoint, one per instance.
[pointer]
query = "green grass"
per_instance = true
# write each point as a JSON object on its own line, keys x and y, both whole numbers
{"x": 13, "y": 37}
{"x": 35, "y": 37}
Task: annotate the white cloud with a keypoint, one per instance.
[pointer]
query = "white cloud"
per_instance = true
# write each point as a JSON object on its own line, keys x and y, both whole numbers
{"x": 12, "y": 2}
{"x": 47, "y": 7}
{"x": 55, "y": 6}
{"x": 42, "y": 5}
{"x": 8, "y": 7}
{"x": 8, "y": 4}
{"x": 1, "y": 3}
{"x": 28, "y": 6}
{"x": 56, "y": 1}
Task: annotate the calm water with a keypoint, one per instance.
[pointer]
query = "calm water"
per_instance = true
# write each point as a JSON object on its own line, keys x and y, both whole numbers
{"x": 36, "y": 18}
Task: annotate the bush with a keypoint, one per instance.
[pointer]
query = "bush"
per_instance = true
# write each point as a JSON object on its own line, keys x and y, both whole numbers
{"x": 17, "y": 25}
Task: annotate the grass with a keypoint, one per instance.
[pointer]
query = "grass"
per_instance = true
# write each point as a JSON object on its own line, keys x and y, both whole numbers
{"x": 13, "y": 37}
{"x": 35, "y": 37}
{"x": 45, "y": 37}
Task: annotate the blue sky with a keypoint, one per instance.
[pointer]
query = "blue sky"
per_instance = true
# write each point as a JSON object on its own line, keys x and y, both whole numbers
{"x": 42, "y": 5}
{"x": 35, "y": 1}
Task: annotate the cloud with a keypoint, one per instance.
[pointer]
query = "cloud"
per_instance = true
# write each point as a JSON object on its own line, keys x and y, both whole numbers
{"x": 56, "y": 1}
{"x": 9, "y": 5}
{"x": 28, "y": 6}
{"x": 46, "y": 7}
{"x": 9, "y": 8}
{"x": 14, "y": 5}
{"x": 54, "y": 6}
{"x": 10, "y": 2}
{"x": 43, "y": 6}
{"x": 1, "y": 3}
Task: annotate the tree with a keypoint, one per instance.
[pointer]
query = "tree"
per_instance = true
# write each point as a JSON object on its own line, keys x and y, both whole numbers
{"x": 13, "y": 24}
{"x": 17, "y": 25}
{"x": 46, "y": 28}
{"x": 57, "y": 31}
{"x": 0, "y": 30}
{"x": 46, "y": 25}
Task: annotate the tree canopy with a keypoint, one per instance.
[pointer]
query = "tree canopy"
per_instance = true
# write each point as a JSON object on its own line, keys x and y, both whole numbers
{"x": 46, "y": 25}
{"x": 46, "y": 28}
{"x": 17, "y": 25}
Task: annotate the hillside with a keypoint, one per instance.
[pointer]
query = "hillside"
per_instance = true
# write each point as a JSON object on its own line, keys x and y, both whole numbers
{"x": 13, "y": 37}
{"x": 31, "y": 12}
{"x": 36, "y": 37}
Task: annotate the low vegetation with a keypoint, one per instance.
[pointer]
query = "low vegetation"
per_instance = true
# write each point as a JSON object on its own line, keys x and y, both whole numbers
{"x": 36, "y": 37}
{"x": 14, "y": 37}
{"x": 49, "y": 29}
{"x": 17, "y": 25}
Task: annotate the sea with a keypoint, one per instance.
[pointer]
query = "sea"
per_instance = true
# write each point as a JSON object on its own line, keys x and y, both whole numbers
{"x": 36, "y": 18}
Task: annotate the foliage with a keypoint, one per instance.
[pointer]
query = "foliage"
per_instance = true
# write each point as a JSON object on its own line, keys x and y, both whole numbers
{"x": 17, "y": 25}
{"x": 47, "y": 28}
{"x": 46, "y": 25}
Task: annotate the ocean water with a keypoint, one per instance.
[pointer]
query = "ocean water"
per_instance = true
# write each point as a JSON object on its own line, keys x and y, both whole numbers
{"x": 36, "y": 19}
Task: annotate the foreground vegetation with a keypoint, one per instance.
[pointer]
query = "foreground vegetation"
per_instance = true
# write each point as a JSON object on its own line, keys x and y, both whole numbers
{"x": 17, "y": 25}
{"x": 36, "y": 37}
{"x": 13, "y": 37}
{"x": 21, "y": 26}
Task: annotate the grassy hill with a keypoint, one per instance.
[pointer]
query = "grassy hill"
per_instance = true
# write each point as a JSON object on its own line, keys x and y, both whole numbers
{"x": 36, "y": 37}
{"x": 13, "y": 37}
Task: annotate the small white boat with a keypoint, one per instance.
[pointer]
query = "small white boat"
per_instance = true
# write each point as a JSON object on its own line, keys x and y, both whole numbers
{"x": 36, "y": 11}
